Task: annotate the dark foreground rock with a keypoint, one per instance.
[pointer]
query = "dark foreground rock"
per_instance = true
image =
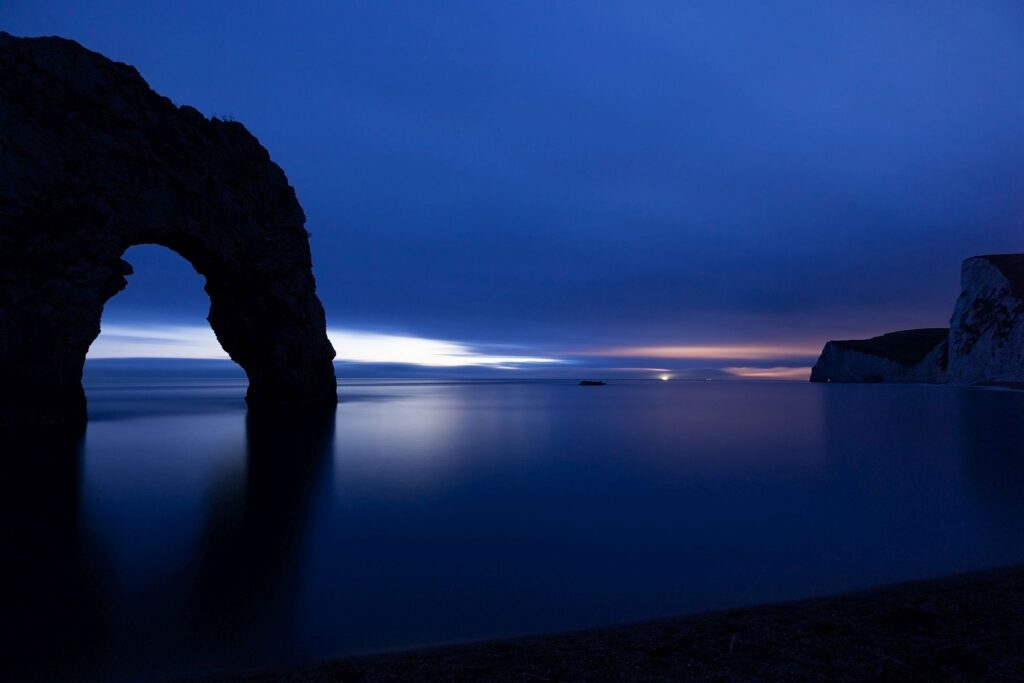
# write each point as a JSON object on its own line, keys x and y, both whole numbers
{"x": 964, "y": 628}
{"x": 92, "y": 162}
{"x": 984, "y": 343}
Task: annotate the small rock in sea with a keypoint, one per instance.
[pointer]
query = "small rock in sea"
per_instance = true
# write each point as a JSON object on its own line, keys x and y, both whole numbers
{"x": 592, "y": 383}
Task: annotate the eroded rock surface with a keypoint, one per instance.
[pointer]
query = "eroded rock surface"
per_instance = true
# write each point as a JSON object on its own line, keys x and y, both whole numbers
{"x": 92, "y": 162}
{"x": 986, "y": 334}
{"x": 984, "y": 344}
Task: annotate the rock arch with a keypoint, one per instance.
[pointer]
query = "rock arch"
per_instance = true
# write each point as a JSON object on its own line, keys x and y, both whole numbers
{"x": 92, "y": 162}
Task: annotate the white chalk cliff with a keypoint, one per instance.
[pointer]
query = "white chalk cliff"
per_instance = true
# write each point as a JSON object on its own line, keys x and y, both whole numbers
{"x": 983, "y": 345}
{"x": 986, "y": 334}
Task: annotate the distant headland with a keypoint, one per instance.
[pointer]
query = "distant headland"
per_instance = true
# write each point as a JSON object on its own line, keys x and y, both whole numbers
{"x": 984, "y": 343}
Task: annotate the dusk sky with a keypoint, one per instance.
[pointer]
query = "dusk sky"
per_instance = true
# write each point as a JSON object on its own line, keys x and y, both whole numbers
{"x": 737, "y": 180}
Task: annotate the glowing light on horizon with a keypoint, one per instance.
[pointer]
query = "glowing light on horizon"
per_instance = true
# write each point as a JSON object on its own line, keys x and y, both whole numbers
{"x": 373, "y": 347}
{"x": 156, "y": 341}
{"x": 199, "y": 342}
{"x": 781, "y": 372}
{"x": 706, "y": 352}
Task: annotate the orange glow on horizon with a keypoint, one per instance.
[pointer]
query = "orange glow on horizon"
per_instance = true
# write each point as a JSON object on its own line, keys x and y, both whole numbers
{"x": 708, "y": 352}
{"x": 771, "y": 373}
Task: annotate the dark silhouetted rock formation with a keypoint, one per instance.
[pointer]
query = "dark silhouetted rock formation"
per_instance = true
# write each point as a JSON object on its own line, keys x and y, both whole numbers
{"x": 92, "y": 162}
{"x": 984, "y": 343}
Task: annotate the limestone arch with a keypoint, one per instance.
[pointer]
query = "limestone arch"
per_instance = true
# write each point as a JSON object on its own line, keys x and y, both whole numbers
{"x": 93, "y": 162}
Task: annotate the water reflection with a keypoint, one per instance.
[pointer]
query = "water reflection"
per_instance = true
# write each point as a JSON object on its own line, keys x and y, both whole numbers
{"x": 920, "y": 478}
{"x": 251, "y": 551}
{"x": 197, "y": 536}
{"x": 71, "y": 613}
{"x": 992, "y": 440}
{"x": 55, "y": 613}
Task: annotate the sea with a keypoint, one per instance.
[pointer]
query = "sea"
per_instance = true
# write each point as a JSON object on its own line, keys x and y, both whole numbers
{"x": 183, "y": 535}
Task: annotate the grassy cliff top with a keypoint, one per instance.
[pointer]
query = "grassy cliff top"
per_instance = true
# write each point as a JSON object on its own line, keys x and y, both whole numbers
{"x": 906, "y": 346}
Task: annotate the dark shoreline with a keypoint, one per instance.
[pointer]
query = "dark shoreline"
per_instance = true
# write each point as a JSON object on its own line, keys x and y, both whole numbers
{"x": 967, "y": 627}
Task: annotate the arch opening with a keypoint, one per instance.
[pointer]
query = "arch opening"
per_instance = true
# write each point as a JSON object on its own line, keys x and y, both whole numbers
{"x": 159, "y": 318}
{"x": 160, "y": 314}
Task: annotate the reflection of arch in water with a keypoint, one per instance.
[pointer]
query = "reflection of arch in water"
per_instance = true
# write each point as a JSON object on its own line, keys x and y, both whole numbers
{"x": 59, "y": 621}
{"x": 250, "y": 559}
{"x": 54, "y": 611}
{"x": 992, "y": 425}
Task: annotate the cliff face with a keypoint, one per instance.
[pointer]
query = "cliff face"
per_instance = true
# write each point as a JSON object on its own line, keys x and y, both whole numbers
{"x": 986, "y": 334}
{"x": 92, "y": 162}
{"x": 984, "y": 344}
{"x": 907, "y": 356}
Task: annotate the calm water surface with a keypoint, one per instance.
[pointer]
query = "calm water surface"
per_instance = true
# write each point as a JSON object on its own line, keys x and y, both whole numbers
{"x": 181, "y": 534}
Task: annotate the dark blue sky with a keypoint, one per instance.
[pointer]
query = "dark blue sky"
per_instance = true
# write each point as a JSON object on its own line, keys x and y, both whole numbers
{"x": 575, "y": 175}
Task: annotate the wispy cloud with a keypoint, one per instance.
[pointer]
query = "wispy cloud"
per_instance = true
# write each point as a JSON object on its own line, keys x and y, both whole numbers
{"x": 781, "y": 372}
{"x": 119, "y": 340}
{"x": 706, "y": 352}
{"x": 199, "y": 342}
{"x": 156, "y": 341}
{"x": 375, "y": 347}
